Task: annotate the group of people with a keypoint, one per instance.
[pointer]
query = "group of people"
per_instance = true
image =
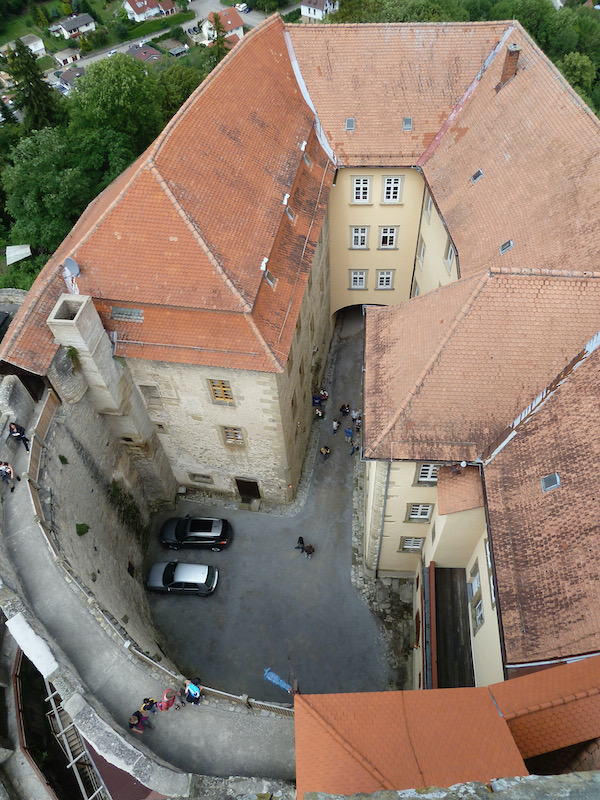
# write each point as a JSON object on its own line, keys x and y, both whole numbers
{"x": 6, "y": 471}
{"x": 307, "y": 549}
{"x": 351, "y": 429}
{"x": 140, "y": 719}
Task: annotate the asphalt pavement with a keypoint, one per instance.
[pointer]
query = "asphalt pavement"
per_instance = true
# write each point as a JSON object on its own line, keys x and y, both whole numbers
{"x": 273, "y": 607}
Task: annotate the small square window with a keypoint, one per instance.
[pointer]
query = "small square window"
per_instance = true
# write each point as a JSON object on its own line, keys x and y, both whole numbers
{"x": 221, "y": 391}
{"x": 428, "y": 204}
{"x": 407, "y": 124}
{"x": 307, "y": 160}
{"x": 385, "y": 278}
{"x": 198, "y": 477}
{"x": 289, "y": 211}
{"x": 392, "y": 189}
{"x": 550, "y": 482}
{"x": 233, "y": 436}
{"x": 358, "y": 279}
{"x": 361, "y": 190}
{"x": 428, "y": 473}
{"x": 421, "y": 252}
{"x": 350, "y": 123}
{"x": 411, "y": 544}
{"x": 388, "y": 238}
{"x": 449, "y": 255}
{"x": 359, "y": 238}
{"x": 269, "y": 277}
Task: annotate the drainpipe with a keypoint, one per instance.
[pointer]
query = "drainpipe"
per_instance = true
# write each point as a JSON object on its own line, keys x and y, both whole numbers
{"x": 385, "y": 494}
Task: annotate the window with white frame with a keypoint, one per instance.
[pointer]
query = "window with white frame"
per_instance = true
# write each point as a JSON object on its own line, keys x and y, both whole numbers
{"x": 411, "y": 544}
{"x": 359, "y": 238}
{"x": 475, "y": 598}
{"x": 361, "y": 190}
{"x": 233, "y": 435}
{"x": 427, "y": 205}
{"x": 415, "y": 291}
{"x": 427, "y": 473}
{"x": 385, "y": 278}
{"x": 358, "y": 278}
{"x": 478, "y": 615}
{"x": 419, "y": 512}
{"x": 488, "y": 557}
{"x": 392, "y": 189}
{"x": 388, "y": 237}
{"x": 421, "y": 252}
{"x": 449, "y": 255}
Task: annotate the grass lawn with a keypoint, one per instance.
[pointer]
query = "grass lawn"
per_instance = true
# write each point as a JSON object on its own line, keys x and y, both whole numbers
{"x": 45, "y": 63}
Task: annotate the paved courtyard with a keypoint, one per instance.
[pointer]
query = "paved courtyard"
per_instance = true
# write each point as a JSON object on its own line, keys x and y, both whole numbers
{"x": 273, "y": 607}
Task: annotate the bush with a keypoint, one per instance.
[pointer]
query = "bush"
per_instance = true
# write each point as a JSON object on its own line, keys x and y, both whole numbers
{"x": 82, "y": 528}
{"x": 293, "y": 16}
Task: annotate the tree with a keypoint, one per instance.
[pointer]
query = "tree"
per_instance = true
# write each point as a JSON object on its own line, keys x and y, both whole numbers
{"x": 67, "y": 9}
{"x": 579, "y": 71}
{"x": 42, "y": 19}
{"x": 7, "y": 114}
{"x": 40, "y": 103}
{"x": 219, "y": 47}
{"x": 118, "y": 94}
{"x": 175, "y": 85}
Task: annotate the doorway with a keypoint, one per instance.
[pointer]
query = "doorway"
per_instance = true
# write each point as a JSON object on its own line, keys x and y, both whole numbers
{"x": 248, "y": 489}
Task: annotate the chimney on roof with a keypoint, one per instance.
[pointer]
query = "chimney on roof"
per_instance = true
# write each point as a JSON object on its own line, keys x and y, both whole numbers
{"x": 511, "y": 59}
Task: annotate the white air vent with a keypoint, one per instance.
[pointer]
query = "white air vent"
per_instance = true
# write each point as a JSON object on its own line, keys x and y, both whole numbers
{"x": 349, "y": 123}
{"x": 550, "y": 482}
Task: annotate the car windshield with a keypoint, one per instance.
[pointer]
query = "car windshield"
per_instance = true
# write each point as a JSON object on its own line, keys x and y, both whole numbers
{"x": 169, "y": 573}
{"x": 181, "y": 530}
{"x": 210, "y": 578}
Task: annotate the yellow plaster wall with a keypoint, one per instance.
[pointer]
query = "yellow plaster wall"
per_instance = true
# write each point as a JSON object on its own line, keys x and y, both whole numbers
{"x": 345, "y": 214}
{"x": 433, "y": 269}
{"x": 487, "y": 653}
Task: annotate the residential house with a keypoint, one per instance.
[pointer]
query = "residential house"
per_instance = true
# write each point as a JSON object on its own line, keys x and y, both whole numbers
{"x": 144, "y": 53}
{"x": 230, "y": 20}
{"x": 139, "y": 10}
{"x": 73, "y": 27}
{"x": 69, "y": 76}
{"x": 359, "y": 744}
{"x": 34, "y": 43}
{"x": 68, "y": 56}
{"x": 317, "y": 10}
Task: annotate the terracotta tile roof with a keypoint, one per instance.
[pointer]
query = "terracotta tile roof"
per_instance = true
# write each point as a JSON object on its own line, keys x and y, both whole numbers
{"x": 367, "y": 742}
{"x": 230, "y": 19}
{"x": 458, "y": 491}
{"x": 553, "y": 708}
{"x": 184, "y": 232}
{"x": 545, "y": 544}
{"x": 482, "y": 348}
{"x": 414, "y": 70}
{"x": 536, "y": 143}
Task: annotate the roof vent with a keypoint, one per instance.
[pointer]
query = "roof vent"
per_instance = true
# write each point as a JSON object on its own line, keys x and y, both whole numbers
{"x": 263, "y": 266}
{"x": 407, "y": 124}
{"x": 72, "y": 266}
{"x": 303, "y": 145}
{"x": 286, "y": 197}
{"x": 504, "y": 248}
{"x": 550, "y": 482}
{"x": 476, "y": 176}
{"x": 349, "y": 123}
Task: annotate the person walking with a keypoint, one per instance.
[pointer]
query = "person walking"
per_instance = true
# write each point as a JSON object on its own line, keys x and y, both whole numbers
{"x": 169, "y": 699}
{"x": 358, "y": 423}
{"x": 348, "y": 431}
{"x": 300, "y": 544}
{"x": 308, "y": 551}
{"x": 150, "y": 705}
{"x": 353, "y": 447}
{"x": 354, "y": 414}
{"x": 7, "y": 475}
{"x": 138, "y": 722}
{"x": 336, "y": 425}
{"x": 325, "y": 452}
{"x": 18, "y": 432}
{"x": 193, "y": 692}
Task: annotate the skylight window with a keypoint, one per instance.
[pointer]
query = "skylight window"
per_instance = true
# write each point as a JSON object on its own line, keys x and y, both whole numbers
{"x": 504, "y": 248}
{"x": 349, "y": 123}
{"x": 407, "y": 124}
{"x": 270, "y": 278}
{"x": 550, "y": 482}
{"x": 476, "y": 176}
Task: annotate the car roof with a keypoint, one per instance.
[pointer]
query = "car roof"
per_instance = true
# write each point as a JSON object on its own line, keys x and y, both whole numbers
{"x": 191, "y": 573}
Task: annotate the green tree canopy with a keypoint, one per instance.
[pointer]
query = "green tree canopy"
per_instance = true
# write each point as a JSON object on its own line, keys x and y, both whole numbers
{"x": 41, "y": 105}
{"x": 118, "y": 94}
{"x": 175, "y": 85}
{"x": 579, "y": 71}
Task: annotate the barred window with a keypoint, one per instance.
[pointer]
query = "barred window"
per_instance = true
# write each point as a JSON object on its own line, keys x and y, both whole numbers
{"x": 233, "y": 435}
{"x": 221, "y": 391}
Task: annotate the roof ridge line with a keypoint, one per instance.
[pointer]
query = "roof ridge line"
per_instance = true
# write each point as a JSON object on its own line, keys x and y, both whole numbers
{"x": 167, "y": 131}
{"x": 345, "y": 744}
{"x": 433, "y": 145}
{"x": 539, "y": 271}
{"x": 482, "y": 280}
{"x": 558, "y": 701}
{"x": 205, "y": 248}
{"x": 262, "y": 341}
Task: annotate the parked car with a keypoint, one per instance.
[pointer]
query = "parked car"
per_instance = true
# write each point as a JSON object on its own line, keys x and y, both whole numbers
{"x": 111, "y": 53}
{"x": 247, "y": 10}
{"x": 196, "y": 532}
{"x": 190, "y": 31}
{"x": 241, "y": 7}
{"x": 196, "y": 29}
{"x": 177, "y": 577}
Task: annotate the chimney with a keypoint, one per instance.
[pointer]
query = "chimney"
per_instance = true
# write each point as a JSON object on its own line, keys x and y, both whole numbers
{"x": 509, "y": 70}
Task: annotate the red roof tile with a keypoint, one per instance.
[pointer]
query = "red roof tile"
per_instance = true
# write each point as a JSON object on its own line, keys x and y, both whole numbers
{"x": 349, "y": 743}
